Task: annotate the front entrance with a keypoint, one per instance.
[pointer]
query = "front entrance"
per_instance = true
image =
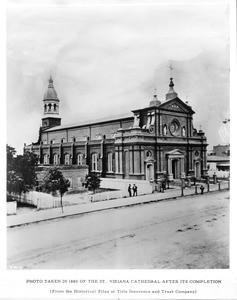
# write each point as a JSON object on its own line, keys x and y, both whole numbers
{"x": 176, "y": 168}
{"x": 197, "y": 169}
{"x": 150, "y": 172}
{"x": 175, "y": 164}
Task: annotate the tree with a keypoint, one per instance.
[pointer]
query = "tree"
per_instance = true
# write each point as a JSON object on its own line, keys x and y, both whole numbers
{"x": 21, "y": 176}
{"x": 92, "y": 182}
{"x": 54, "y": 182}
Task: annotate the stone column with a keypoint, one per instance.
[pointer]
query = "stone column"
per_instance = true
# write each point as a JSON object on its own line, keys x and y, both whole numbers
{"x": 169, "y": 166}
{"x": 182, "y": 164}
{"x": 120, "y": 161}
{"x": 116, "y": 161}
{"x": 142, "y": 161}
{"x": 169, "y": 171}
{"x": 131, "y": 171}
{"x": 190, "y": 160}
{"x": 162, "y": 160}
{"x": 204, "y": 159}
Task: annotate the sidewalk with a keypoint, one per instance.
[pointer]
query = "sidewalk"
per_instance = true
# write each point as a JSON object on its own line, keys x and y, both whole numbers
{"x": 54, "y": 213}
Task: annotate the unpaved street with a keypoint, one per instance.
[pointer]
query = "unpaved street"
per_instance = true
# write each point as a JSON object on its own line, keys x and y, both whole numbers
{"x": 192, "y": 232}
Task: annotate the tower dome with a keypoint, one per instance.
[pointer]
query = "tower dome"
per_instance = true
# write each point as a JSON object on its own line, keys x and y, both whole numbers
{"x": 50, "y": 93}
{"x": 51, "y": 107}
{"x": 155, "y": 101}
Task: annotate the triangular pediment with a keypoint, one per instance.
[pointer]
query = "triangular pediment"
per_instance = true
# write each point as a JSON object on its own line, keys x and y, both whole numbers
{"x": 175, "y": 152}
{"x": 176, "y": 105}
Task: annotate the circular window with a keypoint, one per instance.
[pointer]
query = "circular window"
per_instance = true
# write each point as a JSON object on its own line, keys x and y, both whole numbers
{"x": 174, "y": 127}
{"x": 151, "y": 129}
{"x": 148, "y": 153}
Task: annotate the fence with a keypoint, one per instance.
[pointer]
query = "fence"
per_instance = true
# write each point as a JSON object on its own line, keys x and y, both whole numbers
{"x": 11, "y": 208}
{"x": 143, "y": 187}
{"x": 219, "y": 174}
{"x": 42, "y": 200}
{"x": 206, "y": 188}
{"x": 103, "y": 196}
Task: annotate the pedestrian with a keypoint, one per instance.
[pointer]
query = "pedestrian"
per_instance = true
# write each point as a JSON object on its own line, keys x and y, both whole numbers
{"x": 202, "y": 189}
{"x": 163, "y": 185}
{"x": 129, "y": 190}
{"x": 134, "y": 190}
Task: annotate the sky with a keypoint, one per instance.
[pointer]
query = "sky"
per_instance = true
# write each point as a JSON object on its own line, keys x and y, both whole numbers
{"x": 107, "y": 58}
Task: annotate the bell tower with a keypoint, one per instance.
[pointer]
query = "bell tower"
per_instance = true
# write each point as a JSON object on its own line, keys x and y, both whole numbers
{"x": 51, "y": 116}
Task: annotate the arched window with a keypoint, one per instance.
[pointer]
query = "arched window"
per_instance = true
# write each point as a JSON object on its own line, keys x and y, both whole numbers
{"x": 45, "y": 108}
{"x": 55, "y": 107}
{"x": 62, "y": 140}
{"x": 55, "y": 159}
{"x": 67, "y": 159}
{"x": 46, "y": 159}
{"x": 110, "y": 162}
{"x": 49, "y": 106}
{"x": 80, "y": 159}
{"x": 94, "y": 166}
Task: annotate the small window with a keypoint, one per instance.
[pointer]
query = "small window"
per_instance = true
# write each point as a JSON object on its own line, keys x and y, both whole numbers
{"x": 67, "y": 159}
{"x": 95, "y": 157}
{"x": 46, "y": 159}
{"x": 80, "y": 159}
{"x": 110, "y": 162}
{"x": 56, "y": 159}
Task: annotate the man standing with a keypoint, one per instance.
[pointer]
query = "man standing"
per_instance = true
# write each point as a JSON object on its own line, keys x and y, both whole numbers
{"x": 129, "y": 190}
{"x": 134, "y": 190}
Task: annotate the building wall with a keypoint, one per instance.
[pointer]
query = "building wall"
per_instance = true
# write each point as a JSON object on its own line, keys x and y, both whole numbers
{"x": 75, "y": 174}
{"x": 135, "y": 151}
{"x": 93, "y": 132}
{"x": 221, "y": 150}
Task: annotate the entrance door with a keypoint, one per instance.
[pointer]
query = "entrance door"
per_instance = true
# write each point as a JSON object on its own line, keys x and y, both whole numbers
{"x": 197, "y": 169}
{"x": 175, "y": 169}
{"x": 150, "y": 172}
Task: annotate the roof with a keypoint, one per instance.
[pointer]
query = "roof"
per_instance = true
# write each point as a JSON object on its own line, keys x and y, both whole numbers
{"x": 50, "y": 93}
{"x": 165, "y": 103}
{"x": 90, "y": 122}
{"x": 215, "y": 158}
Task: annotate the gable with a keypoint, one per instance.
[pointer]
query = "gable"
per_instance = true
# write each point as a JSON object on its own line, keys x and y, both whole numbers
{"x": 175, "y": 152}
{"x": 176, "y": 105}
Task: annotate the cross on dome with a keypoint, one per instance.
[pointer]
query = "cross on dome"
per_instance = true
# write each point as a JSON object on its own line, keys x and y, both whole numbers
{"x": 171, "y": 69}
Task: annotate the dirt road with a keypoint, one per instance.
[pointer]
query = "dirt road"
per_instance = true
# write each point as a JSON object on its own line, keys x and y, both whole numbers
{"x": 192, "y": 232}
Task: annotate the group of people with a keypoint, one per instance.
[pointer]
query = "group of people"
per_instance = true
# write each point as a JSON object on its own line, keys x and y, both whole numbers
{"x": 132, "y": 191}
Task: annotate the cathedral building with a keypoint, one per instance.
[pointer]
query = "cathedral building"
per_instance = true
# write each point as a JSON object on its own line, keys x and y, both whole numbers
{"x": 154, "y": 142}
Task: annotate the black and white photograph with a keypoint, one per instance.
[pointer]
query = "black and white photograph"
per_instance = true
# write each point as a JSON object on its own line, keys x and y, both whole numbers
{"x": 118, "y": 146}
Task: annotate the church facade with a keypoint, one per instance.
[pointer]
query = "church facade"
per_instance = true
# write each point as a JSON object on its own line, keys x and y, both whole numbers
{"x": 154, "y": 142}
